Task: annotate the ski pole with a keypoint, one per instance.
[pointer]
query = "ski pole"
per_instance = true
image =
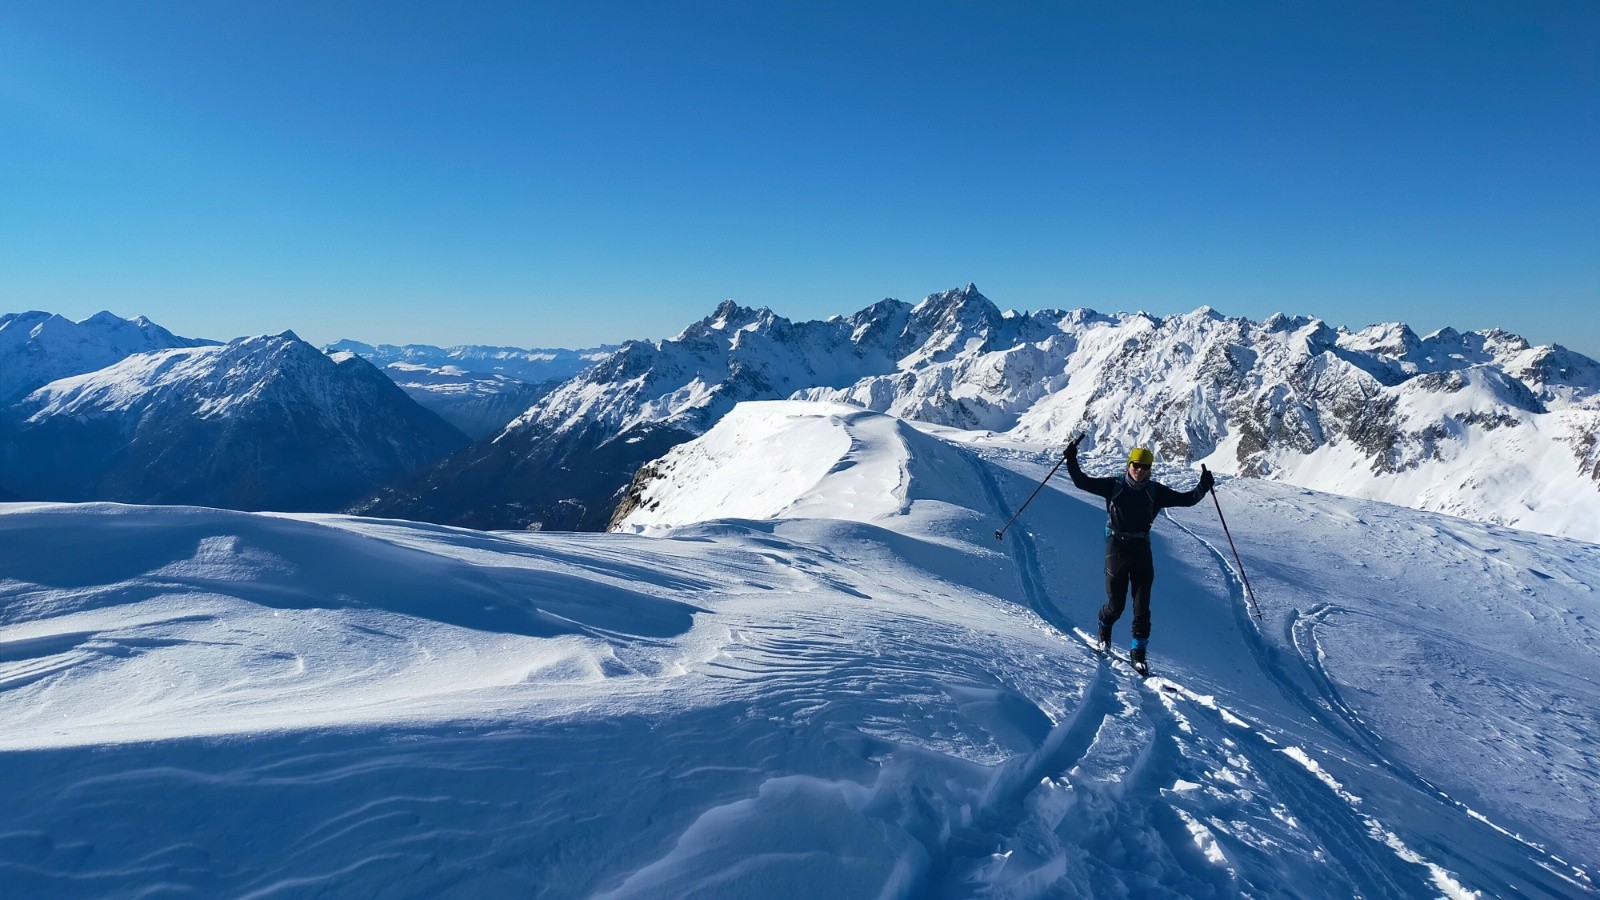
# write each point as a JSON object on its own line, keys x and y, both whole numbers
{"x": 1000, "y": 535}
{"x": 1248, "y": 594}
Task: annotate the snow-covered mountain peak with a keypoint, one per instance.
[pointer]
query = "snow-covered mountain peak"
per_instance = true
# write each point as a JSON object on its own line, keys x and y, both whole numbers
{"x": 38, "y": 347}
{"x": 1395, "y": 339}
{"x": 724, "y": 322}
{"x": 267, "y": 421}
{"x": 224, "y": 375}
{"x": 947, "y": 324}
{"x": 964, "y": 306}
{"x": 106, "y": 318}
{"x": 1199, "y": 316}
{"x": 1558, "y": 373}
{"x": 879, "y": 324}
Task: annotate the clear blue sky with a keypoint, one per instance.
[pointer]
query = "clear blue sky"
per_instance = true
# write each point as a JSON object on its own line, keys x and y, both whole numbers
{"x": 564, "y": 174}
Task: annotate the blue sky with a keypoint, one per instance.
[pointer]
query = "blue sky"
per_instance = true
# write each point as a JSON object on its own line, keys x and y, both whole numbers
{"x": 565, "y": 174}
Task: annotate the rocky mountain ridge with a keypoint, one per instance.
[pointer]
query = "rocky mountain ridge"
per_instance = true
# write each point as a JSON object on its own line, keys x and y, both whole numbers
{"x": 1480, "y": 424}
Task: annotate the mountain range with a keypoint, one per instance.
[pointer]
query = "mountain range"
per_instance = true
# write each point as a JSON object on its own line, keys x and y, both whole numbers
{"x": 477, "y": 388}
{"x": 1479, "y": 424}
{"x": 112, "y": 409}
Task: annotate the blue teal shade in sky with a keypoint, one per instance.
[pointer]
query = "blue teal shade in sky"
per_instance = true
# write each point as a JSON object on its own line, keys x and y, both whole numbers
{"x": 566, "y": 174}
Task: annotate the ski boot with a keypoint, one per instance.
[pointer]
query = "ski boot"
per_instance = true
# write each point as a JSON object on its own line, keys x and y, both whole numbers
{"x": 1104, "y": 644}
{"x": 1136, "y": 658}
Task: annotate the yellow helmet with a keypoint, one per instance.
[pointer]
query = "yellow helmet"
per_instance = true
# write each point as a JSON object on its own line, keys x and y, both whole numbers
{"x": 1141, "y": 456}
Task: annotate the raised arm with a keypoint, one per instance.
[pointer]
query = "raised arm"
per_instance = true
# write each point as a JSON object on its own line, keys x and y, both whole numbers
{"x": 1170, "y": 497}
{"x": 1098, "y": 486}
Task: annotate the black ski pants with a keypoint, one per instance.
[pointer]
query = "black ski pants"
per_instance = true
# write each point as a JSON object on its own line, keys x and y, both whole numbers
{"x": 1128, "y": 564}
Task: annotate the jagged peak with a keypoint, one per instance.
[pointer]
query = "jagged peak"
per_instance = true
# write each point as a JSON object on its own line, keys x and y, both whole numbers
{"x": 1280, "y": 322}
{"x": 955, "y": 299}
{"x": 1500, "y": 339}
{"x": 1313, "y": 329}
{"x": 1205, "y": 312}
{"x": 729, "y": 316}
{"x": 256, "y": 339}
{"x": 1393, "y": 339}
{"x": 886, "y": 306}
{"x": 727, "y": 310}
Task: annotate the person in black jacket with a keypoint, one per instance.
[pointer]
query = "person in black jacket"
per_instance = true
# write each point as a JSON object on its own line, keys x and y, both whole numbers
{"x": 1132, "y": 502}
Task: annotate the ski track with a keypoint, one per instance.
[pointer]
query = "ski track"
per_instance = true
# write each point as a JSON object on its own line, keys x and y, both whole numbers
{"x": 1303, "y": 629}
{"x": 892, "y": 731}
{"x": 1349, "y": 838}
{"x": 1554, "y": 877}
{"x": 1376, "y": 860}
{"x": 1028, "y": 571}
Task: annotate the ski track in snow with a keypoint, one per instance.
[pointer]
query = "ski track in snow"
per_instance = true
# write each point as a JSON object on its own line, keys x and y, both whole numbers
{"x": 1349, "y": 837}
{"x": 1329, "y": 710}
{"x": 887, "y": 702}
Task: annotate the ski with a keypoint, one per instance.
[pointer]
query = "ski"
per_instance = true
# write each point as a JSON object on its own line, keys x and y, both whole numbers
{"x": 1125, "y": 660}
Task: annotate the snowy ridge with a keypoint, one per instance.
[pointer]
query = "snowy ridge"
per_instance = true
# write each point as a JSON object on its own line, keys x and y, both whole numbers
{"x": 872, "y": 698}
{"x": 214, "y": 379}
{"x": 37, "y": 348}
{"x": 777, "y": 459}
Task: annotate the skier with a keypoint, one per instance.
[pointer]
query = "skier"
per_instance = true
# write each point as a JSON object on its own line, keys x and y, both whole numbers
{"x": 1132, "y": 501}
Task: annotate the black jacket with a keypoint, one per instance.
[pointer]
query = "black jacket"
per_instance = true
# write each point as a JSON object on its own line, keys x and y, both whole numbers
{"x": 1130, "y": 511}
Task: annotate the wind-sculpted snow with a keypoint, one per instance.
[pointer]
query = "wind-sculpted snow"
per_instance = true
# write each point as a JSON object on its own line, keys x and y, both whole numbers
{"x": 860, "y": 693}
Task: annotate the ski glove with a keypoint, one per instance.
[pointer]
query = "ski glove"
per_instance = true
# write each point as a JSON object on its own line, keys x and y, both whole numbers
{"x": 1205, "y": 479}
{"x": 1072, "y": 446}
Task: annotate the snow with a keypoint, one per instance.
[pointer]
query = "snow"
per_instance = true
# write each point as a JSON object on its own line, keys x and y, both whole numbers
{"x": 38, "y": 347}
{"x": 809, "y": 669}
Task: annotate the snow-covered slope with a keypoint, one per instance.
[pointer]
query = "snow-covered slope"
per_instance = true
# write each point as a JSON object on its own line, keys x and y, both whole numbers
{"x": 37, "y": 348}
{"x": 865, "y": 696}
{"x": 258, "y": 423}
